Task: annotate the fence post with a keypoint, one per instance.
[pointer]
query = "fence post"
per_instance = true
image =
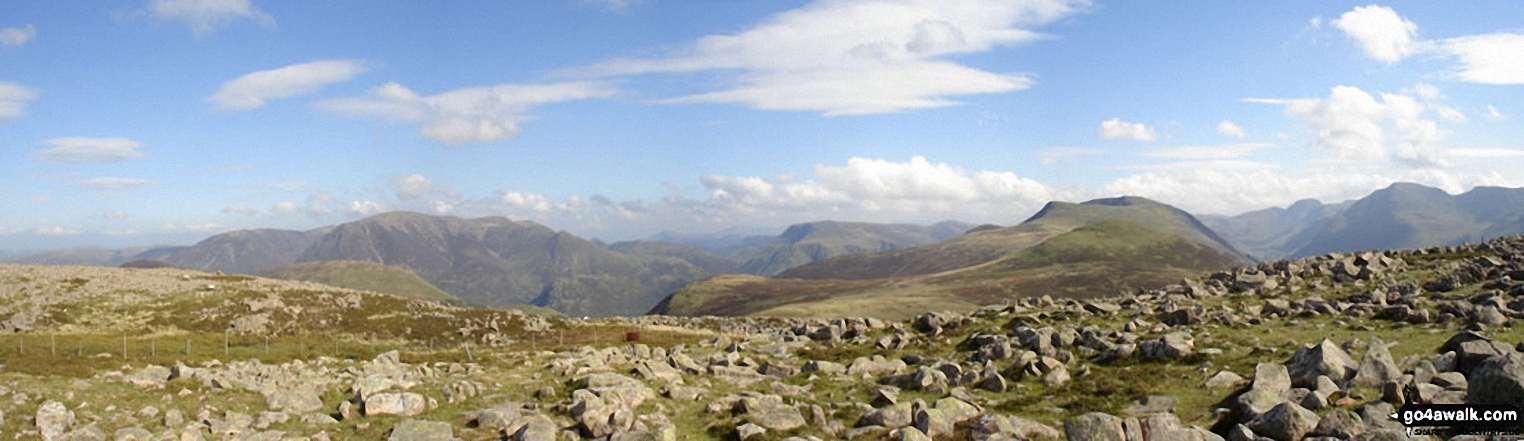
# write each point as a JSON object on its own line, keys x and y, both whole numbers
{"x": 124, "y": 346}
{"x": 267, "y": 345}
{"x": 224, "y": 344}
{"x": 153, "y": 348}
{"x": 53, "y": 344}
{"x": 21, "y": 343}
{"x": 187, "y": 347}
{"x": 469, "y": 358}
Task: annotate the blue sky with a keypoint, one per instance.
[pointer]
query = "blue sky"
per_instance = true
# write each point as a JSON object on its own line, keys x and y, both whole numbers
{"x": 164, "y": 121}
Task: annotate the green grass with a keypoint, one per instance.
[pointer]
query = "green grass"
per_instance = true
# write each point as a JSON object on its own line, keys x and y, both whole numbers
{"x": 366, "y": 276}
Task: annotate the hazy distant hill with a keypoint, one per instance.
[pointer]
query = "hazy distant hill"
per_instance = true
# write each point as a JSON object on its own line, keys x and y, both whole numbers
{"x": 81, "y": 256}
{"x": 494, "y": 261}
{"x": 1400, "y": 216}
{"x": 809, "y": 242}
{"x": 704, "y": 260}
{"x": 1275, "y": 233}
{"x": 365, "y": 276}
{"x": 242, "y": 251}
{"x": 1073, "y": 250}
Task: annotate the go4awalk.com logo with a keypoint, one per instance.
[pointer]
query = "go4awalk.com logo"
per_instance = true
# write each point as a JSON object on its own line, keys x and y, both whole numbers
{"x": 1459, "y": 419}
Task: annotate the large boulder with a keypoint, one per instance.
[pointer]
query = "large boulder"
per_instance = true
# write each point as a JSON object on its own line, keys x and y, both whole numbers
{"x": 1324, "y": 358}
{"x": 1341, "y": 424}
{"x": 415, "y": 430}
{"x": 1497, "y": 380}
{"x": 1271, "y": 386}
{"x": 396, "y": 403}
{"x": 1094, "y": 426}
{"x": 1377, "y": 367}
{"x": 54, "y": 420}
{"x": 1285, "y": 422}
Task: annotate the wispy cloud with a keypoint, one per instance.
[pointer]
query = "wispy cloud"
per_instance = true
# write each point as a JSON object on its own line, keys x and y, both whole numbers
{"x": 113, "y": 183}
{"x": 16, "y": 37}
{"x": 866, "y": 57}
{"x": 82, "y": 150}
{"x": 205, "y": 16}
{"x": 1224, "y": 151}
{"x": 1355, "y": 124}
{"x": 1059, "y": 154}
{"x": 473, "y": 114}
{"x": 13, "y": 100}
{"x": 1227, "y": 128}
{"x": 1115, "y": 128}
{"x": 253, "y": 90}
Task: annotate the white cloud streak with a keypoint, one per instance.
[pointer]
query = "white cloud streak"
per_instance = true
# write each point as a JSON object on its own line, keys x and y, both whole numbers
{"x": 16, "y": 37}
{"x": 1227, "y": 128}
{"x": 205, "y": 16}
{"x": 469, "y": 115}
{"x": 1115, "y": 128}
{"x": 853, "y": 58}
{"x": 253, "y": 90}
{"x": 13, "y": 100}
{"x": 82, "y": 150}
{"x": 1489, "y": 58}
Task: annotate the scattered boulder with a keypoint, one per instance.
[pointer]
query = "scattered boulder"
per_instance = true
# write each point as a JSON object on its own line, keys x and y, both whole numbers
{"x": 1094, "y": 426}
{"x": 1497, "y": 380}
{"x": 1322, "y": 359}
{"x": 1285, "y": 422}
{"x": 416, "y": 430}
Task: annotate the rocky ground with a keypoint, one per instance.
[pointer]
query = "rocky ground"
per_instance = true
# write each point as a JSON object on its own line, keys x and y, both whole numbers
{"x": 1318, "y": 348}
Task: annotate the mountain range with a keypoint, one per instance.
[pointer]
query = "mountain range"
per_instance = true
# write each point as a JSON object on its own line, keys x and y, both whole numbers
{"x": 1400, "y": 216}
{"x": 1064, "y": 249}
{"x": 1071, "y": 250}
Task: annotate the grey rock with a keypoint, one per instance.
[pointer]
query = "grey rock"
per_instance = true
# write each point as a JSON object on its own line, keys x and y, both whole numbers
{"x": 132, "y": 434}
{"x": 1285, "y": 422}
{"x": 1377, "y": 367}
{"x": 1497, "y": 380}
{"x": 1272, "y": 385}
{"x": 1324, "y": 358}
{"x": 396, "y": 403}
{"x": 1341, "y": 424}
{"x": 54, "y": 420}
{"x": 294, "y": 400}
{"x": 748, "y": 431}
{"x": 417, "y": 430}
{"x": 1094, "y": 426}
{"x": 1225, "y": 380}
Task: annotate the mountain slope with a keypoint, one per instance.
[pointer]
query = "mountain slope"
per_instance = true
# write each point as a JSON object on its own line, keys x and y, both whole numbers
{"x": 809, "y": 242}
{"x": 704, "y": 260}
{"x": 989, "y": 244}
{"x": 1275, "y": 233}
{"x": 1072, "y": 250}
{"x": 242, "y": 251}
{"x": 1093, "y": 260}
{"x": 364, "y": 276}
{"x": 497, "y": 262}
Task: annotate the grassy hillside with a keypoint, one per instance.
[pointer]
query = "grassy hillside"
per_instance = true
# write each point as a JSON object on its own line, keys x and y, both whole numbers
{"x": 1102, "y": 258}
{"x": 365, "y": 276}
{"x": 990, "y": 244}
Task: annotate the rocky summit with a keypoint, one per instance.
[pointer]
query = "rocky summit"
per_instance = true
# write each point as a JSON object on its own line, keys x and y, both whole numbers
{"x": 1319, "y": 348}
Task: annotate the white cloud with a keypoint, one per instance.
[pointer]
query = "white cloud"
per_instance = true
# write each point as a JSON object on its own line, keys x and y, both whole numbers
{"x": 1236, "y": 190}
{"x": 365, "y": 207}
{"x": 412, "y": 186}
{"x": 612, "y": 5}
{"x": 205, "y": 16}
{"x": 866, "y": 57}
{"x": 55, "y": 231}
{"x": 1384, "y": 35}
{"x": 1059, "y": 154}
{"x": 286, "y": 207}
{"x": 473, "y": 114}
{"x": 1487, "y": 153}
{"x": 1227, "y": 128}
{"x": 1489, "y": 58}
{"x": 441, "y": 207}
{"x": 1115, "y": 128}
{"x": 867, "y": 187}
{"x": 1450, "y": 114}
{"x": 194, "y": 228}
{"x": 13, "y": 99}
{"x": 82, "y": 150}
{"x": 252, "y": 90}
{"x": 113, "y": 183}
{"x": 524, "y": 201}
{"x": 1493, "y": 113}
{"x": 1354, "y": 124}
{"x": 1225, "y": 151}
{"x": 241, "y": 209}
{"x": 114, "y": 215}
{"x": 15, "y": 37}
